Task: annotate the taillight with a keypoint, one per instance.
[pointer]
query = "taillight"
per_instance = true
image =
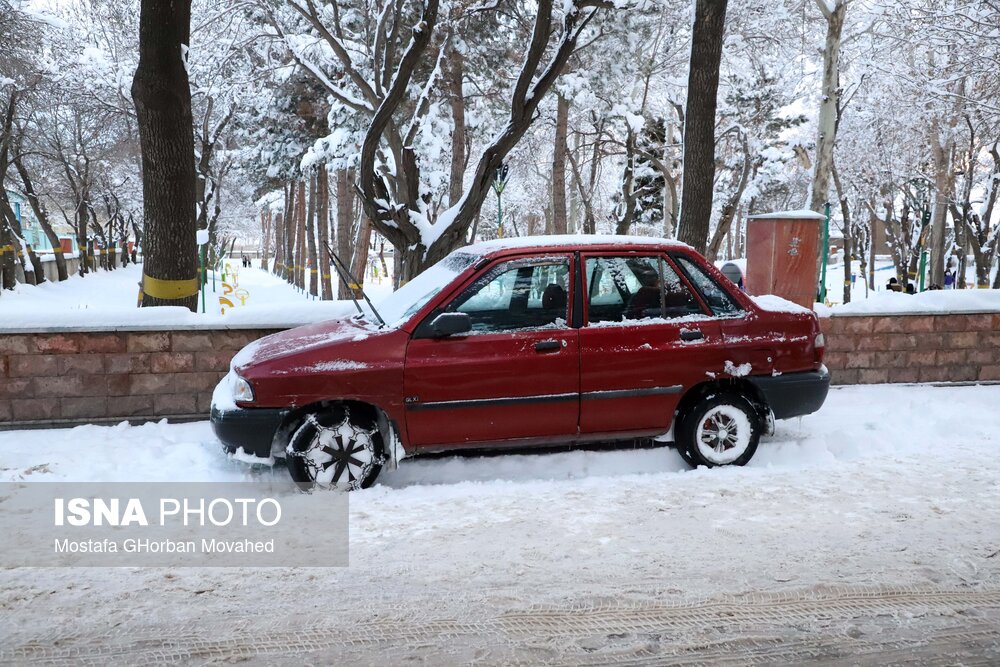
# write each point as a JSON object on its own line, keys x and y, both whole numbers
{"x": 819, "y": 345}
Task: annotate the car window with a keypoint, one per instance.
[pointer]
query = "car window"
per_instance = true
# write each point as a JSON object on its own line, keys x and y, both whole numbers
{"x": 717, "y": 298}
{"x": 636, "y": 288}
{"x": 518, "y": 295}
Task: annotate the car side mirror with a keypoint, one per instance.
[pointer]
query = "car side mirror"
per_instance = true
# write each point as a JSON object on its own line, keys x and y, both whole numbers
{"x": 449, "y": 324}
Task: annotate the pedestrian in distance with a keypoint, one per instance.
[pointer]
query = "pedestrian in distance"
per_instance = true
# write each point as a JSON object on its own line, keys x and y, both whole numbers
{"x": 949, "y": 279}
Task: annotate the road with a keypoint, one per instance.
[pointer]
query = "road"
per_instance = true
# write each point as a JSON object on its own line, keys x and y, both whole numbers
{"x": 866, "y": 534}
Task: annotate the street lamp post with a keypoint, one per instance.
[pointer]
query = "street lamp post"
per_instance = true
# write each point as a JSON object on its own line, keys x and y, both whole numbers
{"x": 201, "y": 237}
{"x": 499, "y": 183}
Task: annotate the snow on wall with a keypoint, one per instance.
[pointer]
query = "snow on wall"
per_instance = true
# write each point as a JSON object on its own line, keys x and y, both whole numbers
{"x": 936, "y": 302}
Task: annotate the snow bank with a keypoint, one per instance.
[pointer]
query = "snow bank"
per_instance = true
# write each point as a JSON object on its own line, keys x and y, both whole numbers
{"x": 776, "y": 304}
{"x": 106, "y": 300}
{"x": 931, "y": 302}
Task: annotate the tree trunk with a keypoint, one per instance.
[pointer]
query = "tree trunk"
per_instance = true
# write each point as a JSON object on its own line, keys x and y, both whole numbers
{"x": 943, "y": 185}
{"x": 573, "y": 194}
{"x": 559, "y": 225}
{"x": 360, "y": 262}
{"x": 279, "y": 244}
{"x": 300, "y": 238}
{"x": 162, "y": 98}
{"x": 732, "y": 204}
{"x": 288, "y": 233}
{"x": 323, "y": 226}
{"x": 290, "y": 217}
{"x": 36, "y": 264}
{"x": 456, "y": 98}
{"x": 830, "y": 102}
{"x": 14, "y": 246}
{"x": 8, "y": 266}
{"x": 872, "y": 221}
{"x": 265, "y": 236}
{"x": 848, "y": 240}
{"x": 345, "y": 208}
{"x": 699, "y": 123}
{"x": 311, "y": 236}
{"x": 82, "y": 244}
{"x": 43, "y": 219}
{"x": 586, "y": 193}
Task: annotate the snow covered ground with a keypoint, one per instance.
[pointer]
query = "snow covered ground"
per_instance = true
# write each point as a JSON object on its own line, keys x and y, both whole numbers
{"x": 869, "y": 532}
{"x": 108, "y": 299}
{"x": 884, "y": 269}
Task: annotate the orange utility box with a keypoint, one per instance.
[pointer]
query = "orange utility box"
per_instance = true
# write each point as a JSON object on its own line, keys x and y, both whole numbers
{"x": 783, "y": 255}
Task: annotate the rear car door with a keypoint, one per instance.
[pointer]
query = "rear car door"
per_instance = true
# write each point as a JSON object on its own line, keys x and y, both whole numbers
{"x": 746, "y": 342}
{"x": 515, "y": 376}
{"x": 647, "y": 338}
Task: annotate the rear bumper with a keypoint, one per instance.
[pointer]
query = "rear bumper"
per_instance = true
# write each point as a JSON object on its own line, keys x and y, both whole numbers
{"x": 250, "y": 429}
{"x": 794, "y": 394}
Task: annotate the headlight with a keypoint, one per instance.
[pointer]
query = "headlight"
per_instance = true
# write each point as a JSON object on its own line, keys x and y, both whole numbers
{"x": 242, "y": 391}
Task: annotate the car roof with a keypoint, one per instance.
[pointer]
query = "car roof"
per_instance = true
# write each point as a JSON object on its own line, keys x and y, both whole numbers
{"x": 571, "y": 242}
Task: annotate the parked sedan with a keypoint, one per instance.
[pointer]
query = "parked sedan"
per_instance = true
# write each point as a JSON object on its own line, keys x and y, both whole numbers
{"x": 529, "y": 342}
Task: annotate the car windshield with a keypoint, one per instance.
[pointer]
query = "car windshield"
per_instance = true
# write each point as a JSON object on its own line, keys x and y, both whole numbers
{"x": 411, "y": 297}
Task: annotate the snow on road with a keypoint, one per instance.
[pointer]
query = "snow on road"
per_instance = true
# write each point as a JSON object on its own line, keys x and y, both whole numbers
{"x": 869, "y": 529}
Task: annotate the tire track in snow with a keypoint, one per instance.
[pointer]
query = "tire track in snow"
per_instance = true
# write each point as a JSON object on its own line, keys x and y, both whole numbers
{"x": 746, "y": 629}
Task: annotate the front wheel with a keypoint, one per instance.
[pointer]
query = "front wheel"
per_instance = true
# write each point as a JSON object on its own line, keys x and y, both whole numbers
{"x": 336, "y": 449}
{"x": 720, "y": 430}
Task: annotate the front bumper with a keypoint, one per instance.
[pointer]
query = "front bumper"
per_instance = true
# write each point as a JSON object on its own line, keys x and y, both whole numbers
{"x": 794, "y": 394}
{"x": 251, "y": 429}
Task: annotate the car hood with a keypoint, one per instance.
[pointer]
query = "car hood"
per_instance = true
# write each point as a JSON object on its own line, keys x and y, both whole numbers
{"x": 295, "y": 341}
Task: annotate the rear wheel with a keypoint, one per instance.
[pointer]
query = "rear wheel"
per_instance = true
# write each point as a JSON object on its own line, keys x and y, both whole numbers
{"x": 719, "y": 430}
{"x": 336, "y": 449}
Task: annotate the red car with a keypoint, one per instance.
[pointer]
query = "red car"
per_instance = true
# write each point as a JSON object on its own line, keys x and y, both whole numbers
{"x": 529, "y": 342}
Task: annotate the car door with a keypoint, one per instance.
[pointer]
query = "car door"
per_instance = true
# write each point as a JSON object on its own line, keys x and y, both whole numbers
{"x": 647, "y": 337}
{"x": 515, "y": 376}
{"x": 746, "y": 341}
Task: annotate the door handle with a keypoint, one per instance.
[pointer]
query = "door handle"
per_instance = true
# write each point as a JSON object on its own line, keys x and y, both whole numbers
{"x": 691, "y": 334}
{"x": 546, "y": 345}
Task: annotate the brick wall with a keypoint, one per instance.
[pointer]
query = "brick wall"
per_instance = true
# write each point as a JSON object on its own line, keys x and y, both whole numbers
{"x": 913, "y": 348}
{"x": 109, "y": 376}
{"x": 75, "y": 376}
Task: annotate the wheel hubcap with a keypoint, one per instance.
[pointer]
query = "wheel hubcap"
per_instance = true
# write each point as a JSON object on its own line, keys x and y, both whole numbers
{"x": 724, "y": 434}
{"x": 719, "y": 431}
{"x": 339, "y": 456}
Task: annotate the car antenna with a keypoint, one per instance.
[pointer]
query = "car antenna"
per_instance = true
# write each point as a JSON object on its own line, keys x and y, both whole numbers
{"x": 352, "y": 283}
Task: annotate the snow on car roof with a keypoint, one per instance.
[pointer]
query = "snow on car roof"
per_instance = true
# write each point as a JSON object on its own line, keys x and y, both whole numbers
{"x": 495, "y": 245}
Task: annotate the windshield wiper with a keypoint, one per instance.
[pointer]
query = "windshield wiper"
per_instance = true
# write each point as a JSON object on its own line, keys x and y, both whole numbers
{"x": 352, "y": 284}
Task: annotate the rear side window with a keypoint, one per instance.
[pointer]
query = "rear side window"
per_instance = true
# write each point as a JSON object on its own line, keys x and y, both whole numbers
{"x": 718, "y": 300}
{"x": 636, "y": 288}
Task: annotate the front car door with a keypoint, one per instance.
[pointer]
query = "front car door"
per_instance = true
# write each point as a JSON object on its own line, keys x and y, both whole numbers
{"x": 648, "y": 336}
{"x": 515, "y": 376}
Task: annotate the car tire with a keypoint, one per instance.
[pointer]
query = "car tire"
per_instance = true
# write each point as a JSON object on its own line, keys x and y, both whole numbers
{"x": 719, "y": 430}
{"x": 336, "y": 449}
{"x": 683, "y": 451}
